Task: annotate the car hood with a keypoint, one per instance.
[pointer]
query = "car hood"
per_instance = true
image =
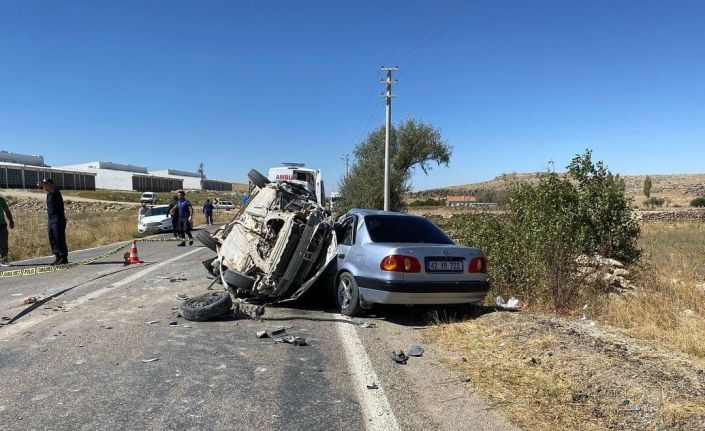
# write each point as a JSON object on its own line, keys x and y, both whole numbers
{"x": 154, "y": 219}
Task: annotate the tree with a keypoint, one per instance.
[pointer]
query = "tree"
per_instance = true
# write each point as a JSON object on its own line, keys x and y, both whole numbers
{"x": 647, "y": 187}
{"x": 412, "y": 144}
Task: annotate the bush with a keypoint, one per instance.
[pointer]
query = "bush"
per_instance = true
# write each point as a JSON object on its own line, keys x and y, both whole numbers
{"x": 698, "y": 202}
{"x": 653, "y": 201}
{"x": 532, "y": 249}
{"x": 430, "y": 202}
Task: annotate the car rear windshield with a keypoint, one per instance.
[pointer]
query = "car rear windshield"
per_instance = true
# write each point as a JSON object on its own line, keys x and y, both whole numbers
{"x": 404, "y": 229}
{"x": 157, "y": 211}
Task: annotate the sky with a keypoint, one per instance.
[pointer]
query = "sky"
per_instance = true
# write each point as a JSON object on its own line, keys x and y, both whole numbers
{"x": 236, "y": 85}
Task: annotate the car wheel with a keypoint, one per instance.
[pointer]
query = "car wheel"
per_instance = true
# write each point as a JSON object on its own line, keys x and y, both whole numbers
{"x": 207, "y": 307}
{"x": 348, "y": 295}
{"x": 257, "y": 178}
{"x": 238, "y": 280}
{"x": 207, "y": 239}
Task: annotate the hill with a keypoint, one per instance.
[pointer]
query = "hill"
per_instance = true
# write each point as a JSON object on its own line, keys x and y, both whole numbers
{"x": 679, "y": 189}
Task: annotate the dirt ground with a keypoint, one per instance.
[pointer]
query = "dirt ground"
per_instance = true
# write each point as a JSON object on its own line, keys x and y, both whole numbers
{"x": 562, "y": 373}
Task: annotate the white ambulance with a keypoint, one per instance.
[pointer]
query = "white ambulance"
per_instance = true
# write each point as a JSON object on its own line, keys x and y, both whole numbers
{"x": 297, "y": 172}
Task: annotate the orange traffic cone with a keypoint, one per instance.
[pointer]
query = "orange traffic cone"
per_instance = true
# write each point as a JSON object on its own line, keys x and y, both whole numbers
{"x": 133, "y": 253}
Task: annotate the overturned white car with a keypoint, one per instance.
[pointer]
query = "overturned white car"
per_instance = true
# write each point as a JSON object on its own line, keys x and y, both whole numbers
{"x": 276, "y": 246}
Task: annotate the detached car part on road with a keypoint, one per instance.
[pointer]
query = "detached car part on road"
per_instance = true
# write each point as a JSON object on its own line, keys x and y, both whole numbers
{"x": 282, "y": 241}
{"x": 276, "y": 246}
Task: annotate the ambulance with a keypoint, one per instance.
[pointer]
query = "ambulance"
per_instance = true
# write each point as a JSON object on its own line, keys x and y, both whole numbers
{"x": 299, "y": 173}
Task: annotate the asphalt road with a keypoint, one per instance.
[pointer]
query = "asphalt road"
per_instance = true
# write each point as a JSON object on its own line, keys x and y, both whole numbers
{"x": 98, "y": 352}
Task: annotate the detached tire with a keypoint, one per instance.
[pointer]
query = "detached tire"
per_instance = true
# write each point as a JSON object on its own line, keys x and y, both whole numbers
{"x": 257, "y": 178}
{"x": 238, "y": 280}
{"x": 206, "y": 239}
{"x": 348, "y": 295}
{"x": 207, "y": 307}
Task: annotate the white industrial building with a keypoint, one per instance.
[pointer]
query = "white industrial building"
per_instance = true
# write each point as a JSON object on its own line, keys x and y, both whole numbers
{"x": 22, "y": 171}
{"x": 192, "y": 180}
{"x": 118, "y": 176}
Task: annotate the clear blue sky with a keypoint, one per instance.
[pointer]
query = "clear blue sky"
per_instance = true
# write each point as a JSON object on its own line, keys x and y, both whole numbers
{"x": 240, "y": 85}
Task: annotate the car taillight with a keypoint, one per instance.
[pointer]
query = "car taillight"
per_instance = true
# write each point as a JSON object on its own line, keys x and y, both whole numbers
{"x": 477, "y": 264}
{"x": 399, "y": 263}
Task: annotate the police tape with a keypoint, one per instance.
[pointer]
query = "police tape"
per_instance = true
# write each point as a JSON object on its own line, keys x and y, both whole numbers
{"x": 37, "y": 270}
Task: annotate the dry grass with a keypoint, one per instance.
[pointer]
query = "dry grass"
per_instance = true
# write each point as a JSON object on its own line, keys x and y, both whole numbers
{"x": 29, "y": 238}
{"x": 531, "y": 397}
{"x": 669, "y": 305}
{"x": 580, "y": 382}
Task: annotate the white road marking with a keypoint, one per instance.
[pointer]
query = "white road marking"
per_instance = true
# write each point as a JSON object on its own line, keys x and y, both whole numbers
{"x": 22, "y": 325}
{"x": 376, "y": 411}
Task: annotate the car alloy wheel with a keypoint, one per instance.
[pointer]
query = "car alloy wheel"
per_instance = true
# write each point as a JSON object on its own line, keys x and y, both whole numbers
{"x": 348, "y": 295}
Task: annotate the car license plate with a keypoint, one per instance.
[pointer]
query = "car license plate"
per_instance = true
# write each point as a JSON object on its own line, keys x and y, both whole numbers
{"x": 444, "y": 266}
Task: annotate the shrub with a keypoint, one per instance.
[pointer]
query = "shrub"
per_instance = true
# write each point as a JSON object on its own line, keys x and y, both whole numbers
{"x": 698, "y": 202}
{"x": 532, "y": 249}
{"x": 430, "y": 202}
{"x": 653, "y": 201}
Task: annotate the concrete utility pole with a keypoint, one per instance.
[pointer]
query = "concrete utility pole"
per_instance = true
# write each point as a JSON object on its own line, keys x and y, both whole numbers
{"x": 201, "y": 171}
{"x": 388, "y": 96}
{"x": 346, "y": 160}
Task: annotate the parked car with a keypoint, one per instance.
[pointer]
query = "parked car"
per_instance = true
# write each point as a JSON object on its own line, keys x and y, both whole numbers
{"x": 148, "y": 198}
{"x": 156, "y": 219}
{"x": 224, "y": 205}
{"x": 280, "y": 242}
{"x": 394, "y": 258}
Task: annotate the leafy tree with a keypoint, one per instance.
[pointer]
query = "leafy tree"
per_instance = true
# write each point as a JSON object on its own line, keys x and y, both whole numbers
{"x": 412, "y": 144}
{"x": 647, "y": 187}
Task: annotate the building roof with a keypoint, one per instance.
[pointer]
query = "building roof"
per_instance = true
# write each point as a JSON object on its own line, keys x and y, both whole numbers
{"x": 460, "y": 198}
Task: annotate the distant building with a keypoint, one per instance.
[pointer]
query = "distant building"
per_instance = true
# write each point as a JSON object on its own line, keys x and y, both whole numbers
{"x": 460, "y": 201}
{"x": 192, "y": 180}
{"x": 22, "y": 159}
{"x": 118, "y": 176}
{"x": 21, "y": 171}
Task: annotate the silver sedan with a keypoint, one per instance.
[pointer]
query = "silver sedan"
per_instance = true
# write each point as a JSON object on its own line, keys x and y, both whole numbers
{"x": 395, "y": 258}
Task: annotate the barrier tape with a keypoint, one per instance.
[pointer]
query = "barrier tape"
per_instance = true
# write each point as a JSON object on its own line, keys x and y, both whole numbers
{"x": 37, "y": 270}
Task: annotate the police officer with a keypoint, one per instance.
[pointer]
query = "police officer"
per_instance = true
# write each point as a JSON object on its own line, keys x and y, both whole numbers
{"x": 57, "y": 222}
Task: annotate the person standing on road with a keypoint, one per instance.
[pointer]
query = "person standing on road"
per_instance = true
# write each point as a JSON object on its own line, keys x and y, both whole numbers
{"x": 185, "y": 210}
{"x": 142, "y": 211}
{"x": 208, "y": 211}
{"x": 4, "y": 234}
{"x": 174, "y": 214}
{"x": 57, "y": 222}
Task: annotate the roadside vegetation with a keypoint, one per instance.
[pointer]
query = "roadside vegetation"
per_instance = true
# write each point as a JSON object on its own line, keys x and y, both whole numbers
{"x": 630, "y": 361}
{"x": 85, "y": 229}
{"x": 587, "y": 355}
{"x": 533, "y": 247}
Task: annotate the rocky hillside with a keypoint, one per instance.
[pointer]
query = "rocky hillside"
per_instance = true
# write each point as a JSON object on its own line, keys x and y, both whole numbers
{"x": 679, "y": 189}
{"x": 29, "y": 205}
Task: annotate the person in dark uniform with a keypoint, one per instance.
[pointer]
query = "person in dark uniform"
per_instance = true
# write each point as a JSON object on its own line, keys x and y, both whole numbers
{"x": 57, "y": 222}
{"x": 208, "y": 211}
{"x": 174, "y": 214}
{"x": 185, "y": 210}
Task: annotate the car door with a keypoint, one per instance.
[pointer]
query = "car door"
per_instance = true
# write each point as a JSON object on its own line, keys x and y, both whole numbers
{"x": 345, "y": 234}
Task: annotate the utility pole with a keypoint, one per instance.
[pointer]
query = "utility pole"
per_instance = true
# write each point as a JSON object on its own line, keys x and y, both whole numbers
{"x": 388, "y": 96}
{"x": 346, "y": 160}
{"x": 201, "y": 171}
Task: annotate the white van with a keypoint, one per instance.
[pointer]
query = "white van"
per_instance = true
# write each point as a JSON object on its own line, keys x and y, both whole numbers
{"x": 148, "y": 198}
{"x": 297, "y": 172}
